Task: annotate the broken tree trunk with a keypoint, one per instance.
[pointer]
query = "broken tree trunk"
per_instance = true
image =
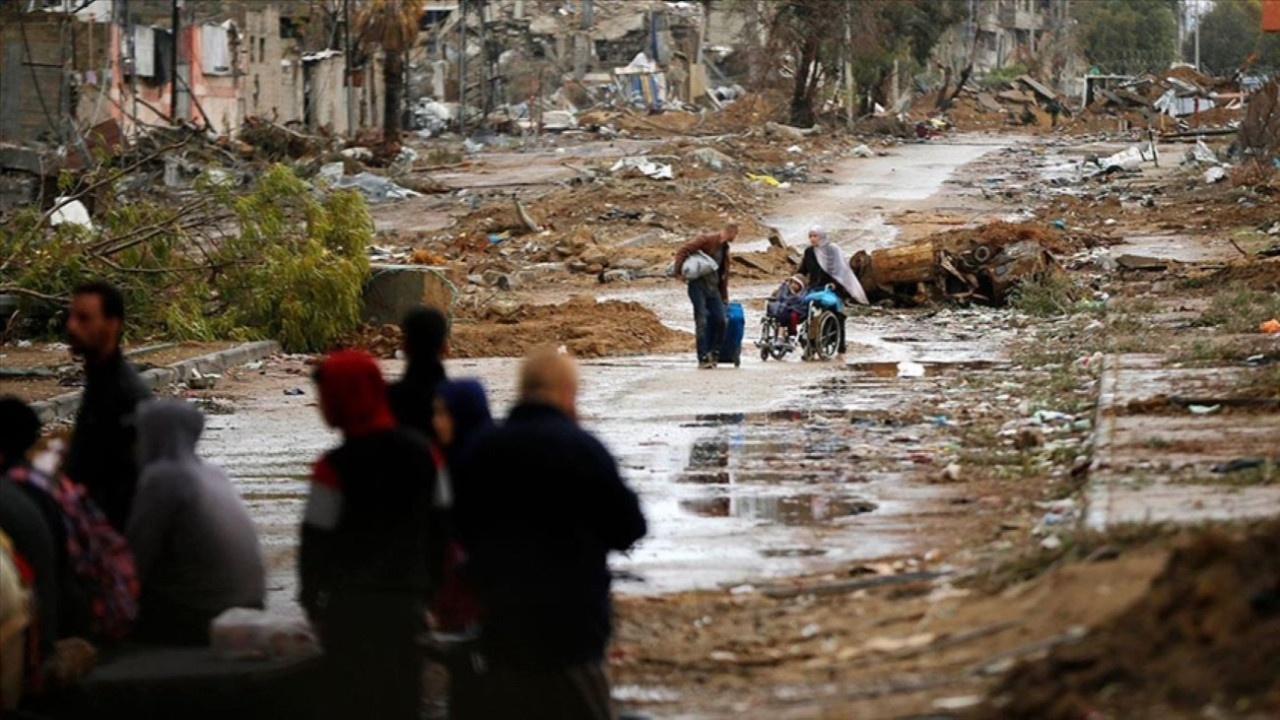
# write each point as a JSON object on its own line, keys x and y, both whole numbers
{"x": 525, "y": 218}
{"x": 904, "y": 265}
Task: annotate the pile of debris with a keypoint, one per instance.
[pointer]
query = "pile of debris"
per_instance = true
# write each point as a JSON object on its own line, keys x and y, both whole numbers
{"x": 1204, "y": 642}
{"x": 1179, "y": 100}
{"x": 982, "y": 264}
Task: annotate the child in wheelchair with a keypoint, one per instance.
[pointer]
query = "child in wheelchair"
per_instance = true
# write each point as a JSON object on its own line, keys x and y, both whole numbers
{"x": 787, "y": 305}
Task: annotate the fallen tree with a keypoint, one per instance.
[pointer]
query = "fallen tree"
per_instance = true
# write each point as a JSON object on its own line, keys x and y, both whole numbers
{"x": 273, "y": 262}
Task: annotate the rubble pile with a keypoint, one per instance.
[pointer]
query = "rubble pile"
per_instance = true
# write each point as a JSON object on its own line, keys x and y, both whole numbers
{"x": 982, "y": 264}
{"x": 1178, "y": 100}
{"x": 1203, "y": 642}
{"x": 582, "y": 325}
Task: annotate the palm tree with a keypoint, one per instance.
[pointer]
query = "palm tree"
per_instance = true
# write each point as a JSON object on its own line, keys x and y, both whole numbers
{"x": 392, "y": 25}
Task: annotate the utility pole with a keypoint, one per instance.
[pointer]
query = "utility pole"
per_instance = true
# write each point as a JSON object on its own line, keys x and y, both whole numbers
{"x": 346, "y": 63}
{"x": 462, "y": 68}
{"x": 176, "y": 7}
{"x": 1198, "y": 16}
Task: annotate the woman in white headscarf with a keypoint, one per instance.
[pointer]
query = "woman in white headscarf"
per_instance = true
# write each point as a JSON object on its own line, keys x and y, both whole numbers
{"x": 824, "y": 264}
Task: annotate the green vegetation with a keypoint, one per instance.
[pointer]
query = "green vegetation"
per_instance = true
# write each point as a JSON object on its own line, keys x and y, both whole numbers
{"x": 1128, "y": 36}
{"x": 1050, "y": 295}
{"x": 1240, "y": 309}
{"x": 1229, "y": 33}
{"x": 1003, "y": 75}
{"x": 275, "y": 262}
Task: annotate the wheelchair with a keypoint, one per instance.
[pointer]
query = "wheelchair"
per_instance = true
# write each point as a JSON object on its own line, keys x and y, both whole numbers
{"x": 817, "y": 335}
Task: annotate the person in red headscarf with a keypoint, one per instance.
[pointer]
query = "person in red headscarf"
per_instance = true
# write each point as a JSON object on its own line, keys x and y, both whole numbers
{"x": 364, "y": 561}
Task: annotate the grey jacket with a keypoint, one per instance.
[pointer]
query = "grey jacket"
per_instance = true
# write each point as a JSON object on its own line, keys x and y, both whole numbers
{"x": 195, "y": 547}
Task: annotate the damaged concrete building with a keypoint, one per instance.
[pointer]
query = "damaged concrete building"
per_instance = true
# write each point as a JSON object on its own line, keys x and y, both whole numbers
{"x": 75, "y": 76}
{"x": 647, "y": 53}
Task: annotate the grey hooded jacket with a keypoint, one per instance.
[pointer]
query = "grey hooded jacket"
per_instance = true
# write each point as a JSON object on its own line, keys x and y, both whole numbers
{"x": 195, "y": 547}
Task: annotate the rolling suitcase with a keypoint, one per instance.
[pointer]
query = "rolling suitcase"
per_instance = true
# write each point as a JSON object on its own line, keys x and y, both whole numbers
{"x": 734, "y": 328}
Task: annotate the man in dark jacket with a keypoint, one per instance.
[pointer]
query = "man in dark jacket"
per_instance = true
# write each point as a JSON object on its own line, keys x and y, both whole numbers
{"x": 709, "y": 293}
{"x": 364, "y": 557}
{"x": 539, "y": 506}
{"x": 101, "y": 456}
{"x": 426, "y": 342}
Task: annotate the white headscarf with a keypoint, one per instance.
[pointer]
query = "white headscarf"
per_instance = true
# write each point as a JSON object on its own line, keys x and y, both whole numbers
{"x": 831, "y": 260}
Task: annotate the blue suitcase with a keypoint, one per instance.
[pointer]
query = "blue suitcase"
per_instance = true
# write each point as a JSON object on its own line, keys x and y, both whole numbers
{"x": 734, "y": 329}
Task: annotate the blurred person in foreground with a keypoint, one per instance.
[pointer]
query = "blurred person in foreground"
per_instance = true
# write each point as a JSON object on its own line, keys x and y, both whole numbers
{"x": 540, "y": 504}
{"x": 101, "y": 456}
{"x": 366, "y": 536}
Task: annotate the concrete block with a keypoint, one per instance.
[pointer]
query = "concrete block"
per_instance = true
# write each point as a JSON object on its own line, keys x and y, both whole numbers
{"x": 394, "y": 290}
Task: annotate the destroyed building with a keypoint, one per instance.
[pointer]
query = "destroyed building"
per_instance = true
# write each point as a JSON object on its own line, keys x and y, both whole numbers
{"x": 76, "y": 76}
{"x": 645, "y": 53}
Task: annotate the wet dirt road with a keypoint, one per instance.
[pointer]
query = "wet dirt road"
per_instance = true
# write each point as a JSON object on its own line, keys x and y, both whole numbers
{"x": 768, "y": 470}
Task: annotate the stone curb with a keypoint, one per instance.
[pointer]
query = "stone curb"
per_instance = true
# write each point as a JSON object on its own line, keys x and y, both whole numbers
{"x": 64, "y": 407}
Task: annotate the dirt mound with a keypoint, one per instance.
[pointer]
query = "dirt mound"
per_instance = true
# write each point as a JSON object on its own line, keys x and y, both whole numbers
{"x": 1261, "y": 275}
{"x": 999, "y": 234}
{"x": 1208, "y": 631}
{"x": 585, "y": 327}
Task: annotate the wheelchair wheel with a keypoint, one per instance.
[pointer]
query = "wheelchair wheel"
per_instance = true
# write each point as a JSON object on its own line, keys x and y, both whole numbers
{"x": 828, "y": 336}
{"x": 768, "y": 327}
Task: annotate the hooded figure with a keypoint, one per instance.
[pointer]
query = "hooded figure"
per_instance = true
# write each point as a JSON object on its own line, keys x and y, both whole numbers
{"x": 369, "y": 545}
{"x": 194, "y": 546}
{"x": 465, "y": 415}
{"x": 832, "y": 261}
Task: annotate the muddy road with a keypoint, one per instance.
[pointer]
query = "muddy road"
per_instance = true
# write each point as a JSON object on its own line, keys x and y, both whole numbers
{"x": 745, "y": 474}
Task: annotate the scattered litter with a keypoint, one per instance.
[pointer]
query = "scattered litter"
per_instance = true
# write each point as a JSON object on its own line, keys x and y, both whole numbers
{"x": 1238, "y": 464}
{"x": 644, "y": 166}
{"x": 1051, "y": 543}
{"x": 1270, "y": 327}
{"x": 862, "y": 151}
{"x": 294, "y": 392}
{"x": 71, "y": 213}
{"x": 375, "y": 188}
{"x": 769, "y": 180}
{"x": 712, "y": 158}
{"x": 963, "y": 702}
{"x": 331, "y": 172}
{"x": 795, "y": 149}
{"x": 951, "y": 473}
{"x": 363, "y": 154}
{"x": 908, "y": 369}
{"x": 1204, "y": 409}
{"x": 889, "y": 645}
{"x": 1215, "y": 174}
{"x": 495, "y": 238}
{"x": 1201, "y": 153}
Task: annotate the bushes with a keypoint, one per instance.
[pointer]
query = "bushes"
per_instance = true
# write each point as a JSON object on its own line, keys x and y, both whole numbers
{"x": 273, "y": 263}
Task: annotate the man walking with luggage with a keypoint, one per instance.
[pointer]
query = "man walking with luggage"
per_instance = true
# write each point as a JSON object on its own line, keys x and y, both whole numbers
{"x": 703, "y": 263}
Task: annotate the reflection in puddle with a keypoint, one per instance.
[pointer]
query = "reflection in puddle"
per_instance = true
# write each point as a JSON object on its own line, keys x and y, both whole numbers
{"x": 892, "y": 369}
{"x": 802, "y": 509}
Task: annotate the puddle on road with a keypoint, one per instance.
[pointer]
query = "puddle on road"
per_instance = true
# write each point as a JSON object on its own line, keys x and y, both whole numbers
{"x": 790, "y": 510}
{"x": 894, "y": 369}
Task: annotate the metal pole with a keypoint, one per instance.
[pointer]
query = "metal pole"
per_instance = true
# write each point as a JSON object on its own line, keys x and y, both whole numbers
{"x": 346, "y": 63}
{"x": 462, "y": 68}
{"x": 173, "y": 61}
{"x": 1198, "y": 16}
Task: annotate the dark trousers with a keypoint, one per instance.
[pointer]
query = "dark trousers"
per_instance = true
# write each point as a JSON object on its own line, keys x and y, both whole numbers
{"x": 708, "y": 317}
{"x": 373, "y": 655}
{"x": 572, "y": 692}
